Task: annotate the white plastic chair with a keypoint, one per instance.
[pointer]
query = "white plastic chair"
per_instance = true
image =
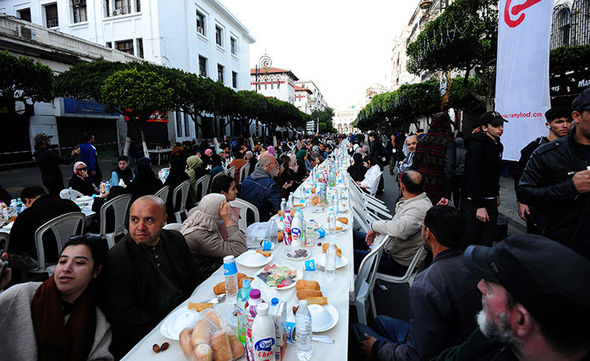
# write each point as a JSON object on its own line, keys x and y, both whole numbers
{"x": 202, "y": 184}
{"x": 183, "y": 189}
{"x": 163, "y": 193}
{"x": 375, "y": 184}
{"x": 244, "y": 207}
{"x": 364, "y": 280}
{"x": 231, "y": 171}
{"x": 70, "y": 194}
{"x": 244, "y": 170}
{"x": 408, "y": 277}
{"x": 63, "y": 227}
{"x": 173, "y": 226}
{"x": 119, "y": 204}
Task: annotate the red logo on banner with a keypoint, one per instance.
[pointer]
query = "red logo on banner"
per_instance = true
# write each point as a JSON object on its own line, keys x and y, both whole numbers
{"x": 517, "y": 10}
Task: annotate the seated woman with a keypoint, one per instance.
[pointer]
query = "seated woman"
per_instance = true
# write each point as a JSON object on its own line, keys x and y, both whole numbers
{"x": 58, "y": 319}
{"x": 301, "y": 161}
{"x": 208, "y": 240}
{"x": 286, "y": 177}
{"x": 194, "y": 170}
{"x": 216, "y": 166}
{"x": 122, "y": 172}
{"x": 81, "y": 181}
{"x": 226, "y": 186}
{"x": 357, "y": 170}
{"x": 373, "y": 170}
{"x": 145, "y": 181}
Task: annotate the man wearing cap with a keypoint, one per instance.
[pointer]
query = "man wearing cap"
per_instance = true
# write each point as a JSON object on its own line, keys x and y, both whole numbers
{"x": 559, "y": 123}
{"x": 80, "y": 180}
{"x": 536, "y": 302}
{"x": 443, "y": 299}
{"x": 482, "y": 180}
{"x": 48, "y": 162}
{"x": 556, "y": 181}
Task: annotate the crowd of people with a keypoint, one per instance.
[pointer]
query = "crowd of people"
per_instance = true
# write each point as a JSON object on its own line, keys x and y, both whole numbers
{"x": 533, "y": 287}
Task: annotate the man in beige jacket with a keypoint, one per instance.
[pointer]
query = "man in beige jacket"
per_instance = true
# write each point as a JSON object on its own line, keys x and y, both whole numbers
{"x": 404, "y": 228}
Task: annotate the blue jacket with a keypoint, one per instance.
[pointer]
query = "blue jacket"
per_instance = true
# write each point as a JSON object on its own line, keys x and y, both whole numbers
{"x": 88, "y": 156}
{"x": 444, "y": 300}
{"x": 261, "y": 190}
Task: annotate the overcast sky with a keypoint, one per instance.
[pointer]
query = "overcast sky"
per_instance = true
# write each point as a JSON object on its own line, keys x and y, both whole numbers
{"x": 344, "y": 46}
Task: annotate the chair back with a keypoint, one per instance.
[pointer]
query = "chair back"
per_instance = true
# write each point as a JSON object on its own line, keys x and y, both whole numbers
{"x": 244, "y": 170}
{"x": 70, "y": 194}
{"x": 408, "y": 276}
{"x": 214, "y": 178}
{"x": 202, "y": 184}
{"x": 376, "y": 184}
{"x": 370, "y": 263}
{"x": 120, "y": 205}
{"x": 231, "y": 171}
{"x": 182, "y": 188}
{"x": 244, "y": 207}
{"x": 163, "y": 193}
{"x": 63, "y": 227}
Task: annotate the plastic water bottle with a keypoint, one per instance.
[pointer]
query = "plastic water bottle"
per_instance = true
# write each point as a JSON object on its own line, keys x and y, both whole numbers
{"x": 290, "y": 202}
{"x": 330, "y": 267}
{"x": 331, "y": 224}
{"x": 297, "y": 229}
{"x": 263, "y": 335}
{"x": 243, "y": 297}
{"x": 273, "y": 230}
{"x": 283, "y": 208}
{"x": 309, "y": 233}
{"x": 230, "y": 271}
{"x": 303, "y": 332}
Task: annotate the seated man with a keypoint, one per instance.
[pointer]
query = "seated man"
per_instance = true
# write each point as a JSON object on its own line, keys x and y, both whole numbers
{"x": 443, "y": 299}
{"x": 536, "y": 302}
{"x": 81, "y": 181}
{"x": 147, "y": 274}
{"x": 40, "y": 209}
{"x": 404, "y": 228}
{"x": 260, "y": 189}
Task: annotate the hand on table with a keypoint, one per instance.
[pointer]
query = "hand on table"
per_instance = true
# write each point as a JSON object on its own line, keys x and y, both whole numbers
{"x": 370, "y": 238}
{"x": 367, "y": 346}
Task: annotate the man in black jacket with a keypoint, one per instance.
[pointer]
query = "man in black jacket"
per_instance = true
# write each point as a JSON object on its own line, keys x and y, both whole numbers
{"x": 559, "y": 123}
{"x": 482, "y": 180}
{"x": 147, "y": 274}
{"x": 556, "y": 181}
{"x": 48, "y": 162}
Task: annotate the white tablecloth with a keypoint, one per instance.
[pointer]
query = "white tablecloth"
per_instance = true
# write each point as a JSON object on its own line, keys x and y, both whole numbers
{"x": 338, "y": 293}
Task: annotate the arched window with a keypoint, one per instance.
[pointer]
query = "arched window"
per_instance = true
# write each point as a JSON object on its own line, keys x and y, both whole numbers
{"x": 580, "y": 22}
{"x": 560, "y": 32}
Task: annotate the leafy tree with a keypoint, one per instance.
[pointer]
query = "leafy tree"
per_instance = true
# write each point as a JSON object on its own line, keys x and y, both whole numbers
{"x": 137, "y": 94}
{"x": 568, "y": 58}
{"x": 325, "y": 119}
{"x": 23, "y": 80}
{"x": 463, "y": 37}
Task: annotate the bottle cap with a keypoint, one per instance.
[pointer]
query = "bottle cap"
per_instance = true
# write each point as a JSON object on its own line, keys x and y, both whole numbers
{"x": 246, "y": 283}
{"x": 274, "y": 301}
{"x": 255, "y": 294}
{"x": 262, "y": 309}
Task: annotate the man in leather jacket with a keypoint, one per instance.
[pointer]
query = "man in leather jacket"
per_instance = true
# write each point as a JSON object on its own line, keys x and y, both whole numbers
{"x": 556, "y": 181}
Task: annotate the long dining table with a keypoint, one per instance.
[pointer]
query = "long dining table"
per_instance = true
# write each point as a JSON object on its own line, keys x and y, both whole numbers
{"x": 338, "y": 290}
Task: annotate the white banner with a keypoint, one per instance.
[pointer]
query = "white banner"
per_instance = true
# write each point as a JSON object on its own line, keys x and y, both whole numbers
{"x": 522, "y": 71}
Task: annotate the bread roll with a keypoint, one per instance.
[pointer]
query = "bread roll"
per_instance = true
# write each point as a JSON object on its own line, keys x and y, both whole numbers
{"x": 199, "y": 306}
{"x": 307, "y": 285}
{"x": 237, "y": 350}
{"x": 201, "y": 333}
{"x": 219, "y": 288}
{"x": 185, "y": 341}
{"x": 221, "y": 347}
{"x": 303, "y": 294}
{"x": 203, "y": 352}
{"x": 213, "y": 317}
{"x": 325, "y": 247}
{"x": 317, "y": 300}
{"x": 342, "y": 220}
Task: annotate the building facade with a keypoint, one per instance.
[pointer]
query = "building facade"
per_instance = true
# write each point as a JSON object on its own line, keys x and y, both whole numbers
{"x": 274, "y": 83}
{"x": 303, "y": 100}
{"x": 343, "y": 119}
{"x": 202, "y": 37}
{"x": 316, "y": 98}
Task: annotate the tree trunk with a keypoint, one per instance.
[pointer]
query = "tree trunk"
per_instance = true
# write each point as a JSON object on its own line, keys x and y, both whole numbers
{"x": 127, "y": 144}
{"x": 143, "y": 142}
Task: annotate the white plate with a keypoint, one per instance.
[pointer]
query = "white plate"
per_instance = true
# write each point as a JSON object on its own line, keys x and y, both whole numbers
{"x": 297, "y": 278}
{"x": 178, "y": 321}
{"x": 292, "y": 251}
{"x": 331, "y": 320}
{"x": 253, "y": 259}
{"x": 339, "y": 224}
{"x": 340, "y": 261}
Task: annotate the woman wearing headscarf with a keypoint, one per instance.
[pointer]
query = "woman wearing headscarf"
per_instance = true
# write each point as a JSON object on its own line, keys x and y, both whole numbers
{"x": 216, "y": 166}
{"x": 357, "y": 170}
{"x": 285, "y": 177}
{"x": 302, "y": 168}
{"x": 58, "y": 319}
{"x": 177, "y": 175}
{"x": 145, "y": 181}
{"x": 211, "y": 234}
{"x": 194, "y": 170}
{"x": 81, "y": 181}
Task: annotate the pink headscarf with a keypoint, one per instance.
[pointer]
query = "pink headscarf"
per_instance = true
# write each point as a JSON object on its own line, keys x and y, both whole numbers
{"x": 208, "y": 152}
{"x": 271, "y": 150}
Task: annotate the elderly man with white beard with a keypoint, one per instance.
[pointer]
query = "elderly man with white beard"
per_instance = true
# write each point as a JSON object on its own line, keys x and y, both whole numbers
{"x": 536, "y": 303}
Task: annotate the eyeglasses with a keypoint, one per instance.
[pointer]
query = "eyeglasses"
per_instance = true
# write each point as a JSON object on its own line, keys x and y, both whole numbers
{"x": 84, "y": 169}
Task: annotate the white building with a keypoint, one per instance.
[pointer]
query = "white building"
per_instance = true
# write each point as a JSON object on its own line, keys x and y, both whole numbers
{"x": 274, "y": 83}
{"x": 303, "y": 99}
{"x": 200, "y": 36}
{"x": 344, "y": 118}
{"x": 316, "y": 98}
